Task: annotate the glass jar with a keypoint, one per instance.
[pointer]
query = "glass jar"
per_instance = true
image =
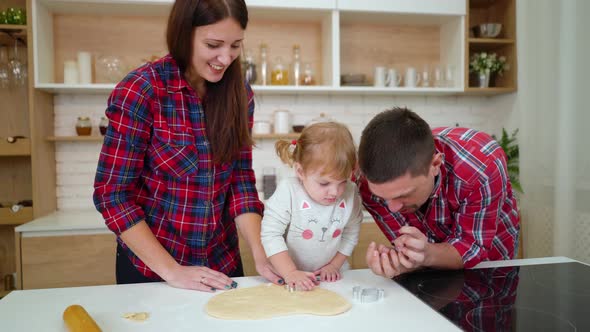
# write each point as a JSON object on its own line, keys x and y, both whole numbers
{"x": 249, "y": 68}
{"x": 83, "y": 126}
{"x": 102, "y": 126}
{"x": 280, "y": 74}
{"x": 308, "y": 77}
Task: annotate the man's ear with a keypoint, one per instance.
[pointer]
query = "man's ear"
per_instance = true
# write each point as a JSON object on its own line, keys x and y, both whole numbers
{"x": 437, "y": 161}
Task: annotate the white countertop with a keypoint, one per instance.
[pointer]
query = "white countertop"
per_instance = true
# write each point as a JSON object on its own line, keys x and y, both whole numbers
{"x": 183, "y": 310}
{"x": 79, "y": 222}
{"x": 65, "y": 223}
{"x": 173, "y": 309}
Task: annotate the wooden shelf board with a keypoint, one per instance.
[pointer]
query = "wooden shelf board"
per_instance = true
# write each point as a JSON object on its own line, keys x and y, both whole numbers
{"x": 491, "y": 40}
{"x": 7, "y": 217}
{"x": 276, "y": 136}
{"x": 489, "y": 91}
{"x": 92, "y": 138}
{"x": 13, "y": 27}
{"x": 22, "y": 147}
{"x": 95, "y": 138}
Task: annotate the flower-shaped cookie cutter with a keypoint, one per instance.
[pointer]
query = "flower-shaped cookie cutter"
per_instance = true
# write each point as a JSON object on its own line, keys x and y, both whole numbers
{"x": 367, "y": 295}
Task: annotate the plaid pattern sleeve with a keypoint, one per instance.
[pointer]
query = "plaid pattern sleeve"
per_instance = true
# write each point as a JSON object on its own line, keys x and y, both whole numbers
{"x": 122, "y": 155}
{"x": 243, "y": 196}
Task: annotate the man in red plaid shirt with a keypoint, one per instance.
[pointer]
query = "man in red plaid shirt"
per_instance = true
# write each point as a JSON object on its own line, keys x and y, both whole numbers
{"x": 442, "y": 197}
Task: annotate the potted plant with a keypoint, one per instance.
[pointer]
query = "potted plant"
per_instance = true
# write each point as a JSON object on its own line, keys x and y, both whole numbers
{"x": 510, "y": 146}
{"x": 485, "y": 65}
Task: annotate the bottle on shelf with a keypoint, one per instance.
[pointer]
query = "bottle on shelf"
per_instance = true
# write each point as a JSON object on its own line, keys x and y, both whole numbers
{"x": 296, "y": 66}
{"x": 249, "y": 68}
{"x": 102, "y": 126}
{"x": 83, "y": 126}
{"x": 308, "y": 77}
{"x": 279, "y": 75}
{"x": 263, "y": 65}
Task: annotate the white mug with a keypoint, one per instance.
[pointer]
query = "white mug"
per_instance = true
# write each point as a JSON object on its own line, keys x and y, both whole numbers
{"x": 379, "y": 78}
{"x": 393, "y": 78}
{"x": 412, "y": 78}
{"x": 282, "y": 123}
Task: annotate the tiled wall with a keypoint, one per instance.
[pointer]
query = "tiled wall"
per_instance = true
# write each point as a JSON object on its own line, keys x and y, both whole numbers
{"x": 76, "y": 161}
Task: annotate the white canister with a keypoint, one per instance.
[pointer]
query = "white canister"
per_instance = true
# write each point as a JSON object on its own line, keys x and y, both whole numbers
{"x": 85, "y": 67}
{"x": 261, "y": 127}
{"x": 70, "y": 72}
{"x": 282, "y": 121}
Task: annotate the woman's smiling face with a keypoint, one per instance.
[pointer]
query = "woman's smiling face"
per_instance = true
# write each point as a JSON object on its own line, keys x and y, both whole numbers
{"x": 215, "y": 47}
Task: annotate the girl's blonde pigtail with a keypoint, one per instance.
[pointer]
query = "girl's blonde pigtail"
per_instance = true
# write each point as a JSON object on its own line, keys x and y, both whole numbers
{"x": 282, "y": 147}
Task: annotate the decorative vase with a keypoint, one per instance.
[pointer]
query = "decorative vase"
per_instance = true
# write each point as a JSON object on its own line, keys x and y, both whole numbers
{"x": 484, "y": 79}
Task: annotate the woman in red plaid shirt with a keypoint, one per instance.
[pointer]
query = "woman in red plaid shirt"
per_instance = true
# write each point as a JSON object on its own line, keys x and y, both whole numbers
{"x": 175, "y": 174}
{"x": 442, "y": 196}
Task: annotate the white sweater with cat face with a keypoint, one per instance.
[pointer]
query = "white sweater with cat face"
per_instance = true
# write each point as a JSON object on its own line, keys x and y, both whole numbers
{"x": 311, "y": 232}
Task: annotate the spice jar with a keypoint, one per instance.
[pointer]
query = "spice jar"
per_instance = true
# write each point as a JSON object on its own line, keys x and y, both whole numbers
{"x": 280, "y": 74}
{"x": 83, "y": 126}
{"x": 102, "y": 126}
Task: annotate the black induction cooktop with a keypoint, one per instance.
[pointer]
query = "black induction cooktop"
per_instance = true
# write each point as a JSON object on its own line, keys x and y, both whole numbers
{"x": 548, "y": 297}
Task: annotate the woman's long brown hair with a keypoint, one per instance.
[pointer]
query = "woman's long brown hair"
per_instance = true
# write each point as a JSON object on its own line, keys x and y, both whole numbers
{"x": 226, "y": 102}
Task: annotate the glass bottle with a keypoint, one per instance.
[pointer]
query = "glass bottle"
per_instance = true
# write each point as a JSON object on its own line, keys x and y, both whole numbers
{"x": 83, "y": 126}
{"x": 296, "y": 65}
{"x": 249, "y": 68}
{"x": 308, "y": 77}
{"x": 263, "y": 65}
{"x": 279, "y": 75}
{"x": 102, "y": 126}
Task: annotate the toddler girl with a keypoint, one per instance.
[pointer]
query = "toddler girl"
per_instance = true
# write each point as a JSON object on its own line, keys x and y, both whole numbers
{"x": 312, "y": 221}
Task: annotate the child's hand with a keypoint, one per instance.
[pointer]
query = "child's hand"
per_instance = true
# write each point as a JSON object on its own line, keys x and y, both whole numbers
{"x": 329, "y": 272}
{"x": 300, "y": 280}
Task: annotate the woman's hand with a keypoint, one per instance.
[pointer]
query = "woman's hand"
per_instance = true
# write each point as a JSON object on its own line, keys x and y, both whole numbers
{"x": 328, "y": 272}
{"x": 199, "y": 278}
{"x": 300, "y": 280}
{"x": 265, "y": 269}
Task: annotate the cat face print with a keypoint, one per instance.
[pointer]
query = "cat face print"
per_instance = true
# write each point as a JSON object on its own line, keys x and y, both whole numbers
{"x": 314, "y": 227}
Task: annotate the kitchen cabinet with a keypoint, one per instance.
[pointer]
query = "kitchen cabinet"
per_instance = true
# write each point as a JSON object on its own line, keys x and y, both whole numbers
{"x": 335, "y": 37}
{"x": 492, "y": 11}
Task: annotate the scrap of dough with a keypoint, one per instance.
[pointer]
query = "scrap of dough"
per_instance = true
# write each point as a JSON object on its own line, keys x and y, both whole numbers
{"x": 267, "y": 301}
{"x": 137, "y": 316}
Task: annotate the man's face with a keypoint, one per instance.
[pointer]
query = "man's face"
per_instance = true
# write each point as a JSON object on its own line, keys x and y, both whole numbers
{"x": 407, "y": 193}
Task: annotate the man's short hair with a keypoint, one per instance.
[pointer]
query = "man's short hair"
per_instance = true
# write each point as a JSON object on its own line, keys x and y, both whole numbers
{"x": 395, "y": 142}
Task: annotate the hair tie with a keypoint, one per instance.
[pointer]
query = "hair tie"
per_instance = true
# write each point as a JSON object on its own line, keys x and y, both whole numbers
{"x": 294, "y": 142}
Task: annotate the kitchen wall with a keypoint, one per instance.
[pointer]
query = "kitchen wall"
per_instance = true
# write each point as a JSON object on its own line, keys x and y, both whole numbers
{"x": 76, "y": 161}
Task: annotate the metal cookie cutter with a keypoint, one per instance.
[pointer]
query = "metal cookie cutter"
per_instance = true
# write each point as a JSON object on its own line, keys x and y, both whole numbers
{"x": 367, "y": 295}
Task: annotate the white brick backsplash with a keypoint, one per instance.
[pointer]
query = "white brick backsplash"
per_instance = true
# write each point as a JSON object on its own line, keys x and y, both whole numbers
{"x": 76, "y": 161}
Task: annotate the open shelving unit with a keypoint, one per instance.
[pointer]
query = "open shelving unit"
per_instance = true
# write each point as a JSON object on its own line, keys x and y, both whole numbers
{"x": 492, "y": 11}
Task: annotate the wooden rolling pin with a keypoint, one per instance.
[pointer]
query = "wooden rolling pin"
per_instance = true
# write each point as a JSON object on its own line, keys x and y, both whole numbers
{"x": 77, "y": 319}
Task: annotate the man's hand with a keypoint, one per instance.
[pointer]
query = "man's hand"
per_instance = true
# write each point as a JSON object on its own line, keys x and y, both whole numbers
{"x": 384, "y": 261}
{"x": 413, "y": 247}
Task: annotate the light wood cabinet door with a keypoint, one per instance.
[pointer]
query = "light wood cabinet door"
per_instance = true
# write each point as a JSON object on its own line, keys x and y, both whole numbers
{"x": 68, "y": 261}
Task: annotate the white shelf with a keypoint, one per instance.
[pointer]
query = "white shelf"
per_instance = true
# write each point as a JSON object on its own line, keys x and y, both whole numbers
{"x": 269, "y": 90}
{"x": 325, "y": 30}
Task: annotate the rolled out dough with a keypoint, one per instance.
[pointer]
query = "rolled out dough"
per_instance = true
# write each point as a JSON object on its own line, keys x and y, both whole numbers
{"x": 267, "y": 301}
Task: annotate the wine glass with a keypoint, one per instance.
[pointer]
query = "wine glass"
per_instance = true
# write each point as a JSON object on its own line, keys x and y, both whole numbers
{"x": 16, "y": 68}
{"x": 4, "y": 74}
